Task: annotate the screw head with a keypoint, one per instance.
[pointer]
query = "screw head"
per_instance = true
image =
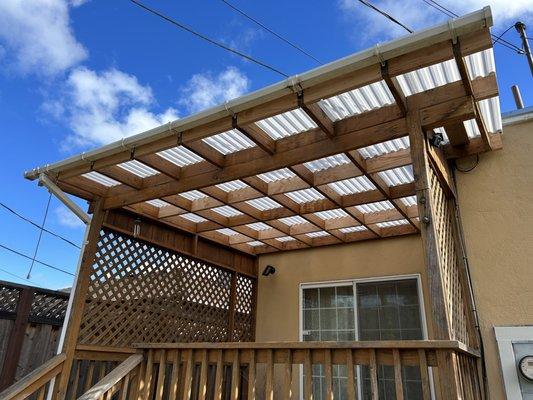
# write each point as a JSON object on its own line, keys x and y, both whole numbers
{"x": 425, "y": 220}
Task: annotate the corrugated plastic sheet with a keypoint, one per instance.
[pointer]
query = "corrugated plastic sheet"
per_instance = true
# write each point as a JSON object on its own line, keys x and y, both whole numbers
{"x": 398, "y": 176}
{"x": 259, "y": 226}
{"x": 285, "y": 239}
{"x": 375, "y": 207}
{"x": 227, "y": 211}
{"x": 294, "y": 220}
{"x": 158, "y": 203}
{"x": 255, "y": 243}
{"x": 193, "y": 217}
{"x": 138, "y": 168}
{"x": 352, "y": 185}
{"x": 317, "y": 234}
{"x": 351, "y": 229}
{"x": 327, "y": 163}
{"x": 409, "y": 201}
{"x": 277, "y": 175}
{"x": 180, "y": 156}
{"x": 193, "y": 195}
{"x": 232, "y": 186}
{"x": 287, "y": 124}
{"x": 101, "y": 179}
{"x": 229, "y": 142}
{"x": 388, "y": 224}
{"x": 227, "y": 232}
{"x": 263, "y": 203}
{"x": 305, "y": 195}
{"x": 385, "y": 147}
{"x": 331, "y": 214}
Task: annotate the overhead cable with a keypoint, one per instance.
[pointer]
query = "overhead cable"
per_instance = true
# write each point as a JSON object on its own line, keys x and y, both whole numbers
{"x": 207, "y": 39}
{"x": 373, "y": 7}
{"x": 40, "y": 235}
{"x": 37, "y": 261}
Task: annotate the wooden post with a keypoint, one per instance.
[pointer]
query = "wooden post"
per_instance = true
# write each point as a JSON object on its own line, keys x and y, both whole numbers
{"x": 232, "y": 307}
{"x": 78, "y": 303}
{"x": 16, "y": 338}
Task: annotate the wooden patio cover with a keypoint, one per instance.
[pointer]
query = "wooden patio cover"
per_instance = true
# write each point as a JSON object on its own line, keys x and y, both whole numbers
{"x": 318, "y": 159}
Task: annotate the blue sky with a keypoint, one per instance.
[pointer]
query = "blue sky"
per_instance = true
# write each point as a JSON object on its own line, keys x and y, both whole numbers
{"x": 77, "y": 74}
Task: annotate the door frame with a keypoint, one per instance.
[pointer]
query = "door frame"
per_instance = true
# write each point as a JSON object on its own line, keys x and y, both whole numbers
{"x": 505, "y": 337}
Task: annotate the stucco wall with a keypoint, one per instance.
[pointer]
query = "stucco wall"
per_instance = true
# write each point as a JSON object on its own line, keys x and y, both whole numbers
{"x": 278, "y": 295}
{"x": 496, "y": 201}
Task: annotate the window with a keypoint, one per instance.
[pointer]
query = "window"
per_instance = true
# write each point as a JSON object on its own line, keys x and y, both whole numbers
{"x": 363, "y": 310}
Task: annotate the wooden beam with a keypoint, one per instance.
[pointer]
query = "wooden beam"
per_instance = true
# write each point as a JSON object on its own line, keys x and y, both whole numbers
{"x": 394, "y": 87}
{"x": 474, "y": 146}
{"x": 256, "y": 135}
{"x": 319, "y": 117}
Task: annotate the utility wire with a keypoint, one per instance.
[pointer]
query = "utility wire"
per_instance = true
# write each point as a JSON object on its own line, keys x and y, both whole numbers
{"x": 271, "y": 31}
{"x": 37, "y": 226}
{"x": 373, "y": 7}
{"x": 40, "y": 235}
{"x": 37, "y": 261}
{"x": 18, "y": 276}
{"x": 207, "y": 39}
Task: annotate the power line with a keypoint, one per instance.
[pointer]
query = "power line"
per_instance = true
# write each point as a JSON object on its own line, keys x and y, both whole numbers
{"x": 373, "y": 7}
{"x": 11, "y": 210}
{"x": 271, "y": 31}
{"x": 40, "y": 235}
{"x": 17, "y": 276}
{"x": 207, "y": 39}
{"x": 37, "y": 261}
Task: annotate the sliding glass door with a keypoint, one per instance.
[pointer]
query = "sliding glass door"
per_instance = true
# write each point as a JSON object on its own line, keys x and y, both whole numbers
{"x": 364, "y": 310}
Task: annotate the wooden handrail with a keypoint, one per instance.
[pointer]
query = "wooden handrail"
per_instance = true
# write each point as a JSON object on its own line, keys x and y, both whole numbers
{"x": 113, "y": 378}
{"x": 35, "y": 379}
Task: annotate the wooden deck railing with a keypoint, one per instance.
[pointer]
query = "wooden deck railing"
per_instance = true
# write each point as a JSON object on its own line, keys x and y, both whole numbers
{"x": 37, "y": 382}
{"x": 200, "y": 371}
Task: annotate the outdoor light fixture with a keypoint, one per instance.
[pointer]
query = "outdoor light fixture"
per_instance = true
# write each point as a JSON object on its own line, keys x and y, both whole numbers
{"x": 436, "y": 140}
{"x": 269, "y": 270}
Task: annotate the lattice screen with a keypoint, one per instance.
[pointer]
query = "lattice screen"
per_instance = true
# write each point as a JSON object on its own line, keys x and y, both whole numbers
{"x": 139, "y": 292}
{"x": 444, "y": 227}
{"x": 9, "y": 297}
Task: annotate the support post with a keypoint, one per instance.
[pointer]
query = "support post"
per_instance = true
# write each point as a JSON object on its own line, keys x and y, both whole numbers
{"x": 73, "y": 322}
{"x": 232, "y": 306}
{"x": 16, "y": 338}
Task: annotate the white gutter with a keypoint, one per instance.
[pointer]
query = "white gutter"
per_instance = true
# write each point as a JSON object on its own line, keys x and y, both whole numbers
{"x": 448, "y": 30}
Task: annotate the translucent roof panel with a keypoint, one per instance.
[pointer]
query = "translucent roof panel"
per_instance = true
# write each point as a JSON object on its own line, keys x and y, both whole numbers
{"x": 327, "y": 163}
{"x": 227, "y": 232}
{"x": 137, "y": 168}
{"x": 259, "y": 226}
{"x": 375, "y": 207}
{"x": 305, "y": 195}
{"x": 264, "y": 203}
{"x": 101, "y": 179}
{"x": 490, "y": 110}
{"x": 229, "y": 142}
{"x": 428, "y": 78}
{"x": 357, "y": 101}
{"x": 385, "y": 147}
{"x": 388, "y": 224}
{"x": 158, "y": 203}
{"x": 285, "y": 239}
{"x": 317, "y": 234}
{"x": 180, "y": 156}
{"x": 193, "y": 195}
{"x": 277, "y": 175}
{"x": 287, "y": 124}
{"x": 331, "y": 214}
{"x": 409, "y": 201}
{"x": 480, "y": 64}
{"x": 352, "y": 185}
{"x": 295, "y": 220}
{"x": 398, "y": 176}
{"x": 193, "y": 217}
{"x": 232, "y": 186}
{"x": 227, "y": 211}
{"x": 352, "y": 229}
{"x": 255, "y": 243}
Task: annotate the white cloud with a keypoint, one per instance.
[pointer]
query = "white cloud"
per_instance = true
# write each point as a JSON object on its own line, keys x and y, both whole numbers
{"x": 103, "y": 107}
{"x": 416, "y": 15}
{"x": 37, "y": 36}
{"x": 207, "y": 90}
{"x": 67, "y": 218}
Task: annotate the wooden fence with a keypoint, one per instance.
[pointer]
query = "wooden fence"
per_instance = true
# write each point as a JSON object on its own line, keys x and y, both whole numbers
{"x": 30, "y": 326}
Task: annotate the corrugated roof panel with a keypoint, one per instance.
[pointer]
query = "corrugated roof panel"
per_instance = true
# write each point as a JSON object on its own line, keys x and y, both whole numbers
{"x": 285, "y": 239}
{"x": 229, "y": 142}
{"x": 294, "y": 220}
{"x": 193, "y": 195}
{"x": 357, "y": 101}
{"x": 158, "y": 203}
{"x": 305, "y": 195}
{"x": 398, "y": 176}
{"x": 332, "y": 214}
{"x": 259, "y": 226}
{"x": 351, "y": 229}
{"x": 317, "y": 234}
{"x": 409, "y": 201}
{"x": 232, "y": 186}
{"x": 352, "y": 185}
{"x": 193, "y": 217}
{"x": 227, "y": 232}
{"x": 385, "y": 147}
{"x": 480, "y": 64}
{"x": 327, "y": 162}
{"x": 101, "y": 179}
{"x": 277, "y": 175}
{"x": 388, "y": 224}
{"x": 264, "y": 203}
{"x": 375, "y": 207}
{"x": 180, "y": 156}
{"x": 490, "y": 111}
{"x": 428, "y": 78}
{"x": 255, "y": 243}
{"x": 138, "y": 168}
{"x": 227, "y": 211}
{"x": 286, "y": 124}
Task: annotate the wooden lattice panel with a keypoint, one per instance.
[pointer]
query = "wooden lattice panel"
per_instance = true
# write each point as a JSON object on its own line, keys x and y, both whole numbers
{"x": 444, "y": 215}
{"x": 244, "y": 310}
{"x": 140, "y": 292}
{"x": 48, "y": 307}
{"x": 8, "y": 299}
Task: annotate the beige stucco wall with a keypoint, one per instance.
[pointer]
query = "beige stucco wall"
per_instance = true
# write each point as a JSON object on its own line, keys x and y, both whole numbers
{"x": 278, "y": 295}
{"x": 496, "y": 201}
